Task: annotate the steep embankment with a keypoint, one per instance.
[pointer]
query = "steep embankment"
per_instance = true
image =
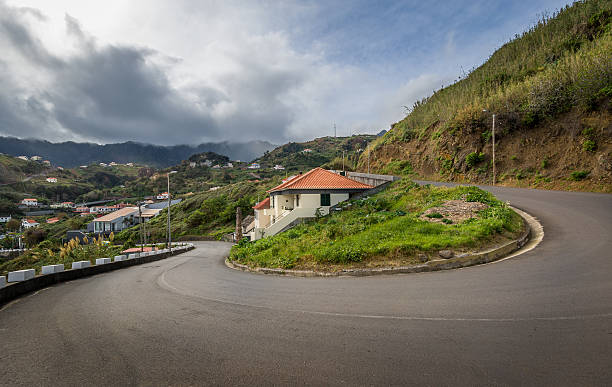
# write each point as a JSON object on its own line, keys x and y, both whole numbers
{"x": 550, "y": 90}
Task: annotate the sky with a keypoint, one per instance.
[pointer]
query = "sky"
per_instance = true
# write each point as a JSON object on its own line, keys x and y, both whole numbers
{"x": 192, "y": 71}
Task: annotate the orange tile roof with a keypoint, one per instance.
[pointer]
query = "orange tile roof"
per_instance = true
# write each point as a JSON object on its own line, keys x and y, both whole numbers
{"x": 320, "y": 178}
{"x": 264, "y": 204}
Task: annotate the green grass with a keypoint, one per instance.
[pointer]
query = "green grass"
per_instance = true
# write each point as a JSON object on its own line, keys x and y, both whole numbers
{"x": 385, "y": 225}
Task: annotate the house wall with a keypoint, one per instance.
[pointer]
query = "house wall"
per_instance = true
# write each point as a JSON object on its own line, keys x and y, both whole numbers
{"x": 261, "y": 220}
{"x": 314, "y": 200}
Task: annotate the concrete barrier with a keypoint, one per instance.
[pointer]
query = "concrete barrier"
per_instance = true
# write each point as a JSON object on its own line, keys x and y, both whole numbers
{"x": 103, "y": 261}
{"x": 17, "y": 289}
{"x": 21, "y": 275}
{"x": 134, "y": 255}
{"x": 2, "y": 281}
{"x": 119, "y": 258}
{"x": 50, "y": 269}
{"x": 80, "y": 264}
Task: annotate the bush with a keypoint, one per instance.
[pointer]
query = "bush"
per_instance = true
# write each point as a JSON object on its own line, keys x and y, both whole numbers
{"x": 434, "y": 215}
{"x": 589, "y": 146}
{"x": 579, "y": 175}
{"x": 474, "y": 158}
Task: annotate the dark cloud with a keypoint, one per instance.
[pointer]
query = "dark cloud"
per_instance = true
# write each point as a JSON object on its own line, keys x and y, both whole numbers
{"x": 109, "y": 93}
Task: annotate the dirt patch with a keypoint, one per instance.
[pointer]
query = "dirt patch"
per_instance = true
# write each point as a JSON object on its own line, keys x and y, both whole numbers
{"x": 456, "y": 211}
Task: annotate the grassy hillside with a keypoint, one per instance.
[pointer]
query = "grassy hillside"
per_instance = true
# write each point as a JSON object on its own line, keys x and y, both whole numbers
{"x": 326, "y": 151}
{"x": 209, "y": 214}
{"x": 550, "y": 89}
{"x": 392, "y": 227}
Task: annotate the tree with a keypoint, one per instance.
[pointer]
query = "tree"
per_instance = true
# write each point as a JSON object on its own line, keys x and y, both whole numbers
{"x": 33, "y": 237}
{"x": 13, "y": 225}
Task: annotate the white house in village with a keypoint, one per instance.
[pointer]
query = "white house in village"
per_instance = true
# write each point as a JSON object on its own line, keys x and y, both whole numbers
{"x": 300, "y": 197}
{"x": 279, "y": 167}
{"x": 162, "y": 196}
{"x": 29, "y": 223}
{"x": 5, "y": 219}
{"x": 254, "y": 166}
{"x": 30, "y": 202}
{"x": 51, "y": 179}
{"x": 116, "y": 221}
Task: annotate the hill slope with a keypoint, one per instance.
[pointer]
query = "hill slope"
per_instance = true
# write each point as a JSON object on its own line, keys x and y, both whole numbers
{"x": 302, "y": 156}
{"x": 550, "y": 89}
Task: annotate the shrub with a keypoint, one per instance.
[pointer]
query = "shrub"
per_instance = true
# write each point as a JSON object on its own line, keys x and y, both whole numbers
{"x": 474, "y": 158}
{"x": 544, "y": 164}
{"x": 589, "y": 146}
{"x": 447, "y": 221}
{"x": 579, "y": 175}
{"x": 435, "y": 215}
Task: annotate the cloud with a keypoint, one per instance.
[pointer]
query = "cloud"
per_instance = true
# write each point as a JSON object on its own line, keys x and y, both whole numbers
{"x": 188, "y": 72}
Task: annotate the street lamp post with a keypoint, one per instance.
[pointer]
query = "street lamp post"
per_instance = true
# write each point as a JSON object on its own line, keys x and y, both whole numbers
{"x": 169, "y": 232}
{"x": 493, "y": 138}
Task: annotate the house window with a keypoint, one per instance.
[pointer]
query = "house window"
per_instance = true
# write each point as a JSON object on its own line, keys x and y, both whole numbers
{"x": 297, "y": 200}
{"x": 325, "y": 200}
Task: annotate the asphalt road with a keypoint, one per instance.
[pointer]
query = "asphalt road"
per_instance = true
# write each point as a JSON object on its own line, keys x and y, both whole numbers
{"x": 543, "y": 318}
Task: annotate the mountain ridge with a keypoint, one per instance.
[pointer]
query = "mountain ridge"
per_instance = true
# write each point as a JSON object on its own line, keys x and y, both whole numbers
{"x": 71, "y": 154}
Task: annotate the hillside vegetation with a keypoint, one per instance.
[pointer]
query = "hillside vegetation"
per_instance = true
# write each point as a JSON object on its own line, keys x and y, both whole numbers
{"x": 550, "y": 89}
{"x": 209, "y": 214}
{"x": 324, "y": 151}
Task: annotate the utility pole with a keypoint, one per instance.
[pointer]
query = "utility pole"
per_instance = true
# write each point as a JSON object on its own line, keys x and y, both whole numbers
{"x": 343, "y": 162}
{"x": 169, "y": 232}
{"x": 369, "y": 161}
{"x": 334, "y": 130}
{"x": 493, "y": 133}
{"x": 140, "y": 221}
{"x": 493, "y": 137}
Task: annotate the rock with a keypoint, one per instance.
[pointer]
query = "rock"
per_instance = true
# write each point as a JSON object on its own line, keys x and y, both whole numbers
{"x": 446, "y": 254}
{"x": 423, "y": 258}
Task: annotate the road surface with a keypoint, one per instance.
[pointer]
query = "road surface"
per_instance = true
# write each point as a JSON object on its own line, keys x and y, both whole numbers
{"x": 543, "y": 318}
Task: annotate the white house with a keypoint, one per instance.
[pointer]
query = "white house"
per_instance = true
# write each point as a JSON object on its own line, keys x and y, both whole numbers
{"x": 116, "y": 221}
{"x": 36, "y": 158}
{"x": 162, "y": 196}
{"x": 300, "y": 197}
{"x": 51, "y": 179}
{"x": 279, "y": 167}
{"x": 24, "y": 158}
{"x": 254, "y": 166}
{"x": 5, "y": 219}
{"x": 29, "y": 223}
{"x": 30, "y": 202}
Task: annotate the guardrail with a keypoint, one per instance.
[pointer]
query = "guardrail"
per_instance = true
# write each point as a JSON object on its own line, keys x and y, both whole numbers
{"x": 25, "y": 281}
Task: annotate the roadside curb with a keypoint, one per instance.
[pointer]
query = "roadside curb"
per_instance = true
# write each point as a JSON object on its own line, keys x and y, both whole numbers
{"x": 17, "y": 289}
{"x": 457, "y": 262}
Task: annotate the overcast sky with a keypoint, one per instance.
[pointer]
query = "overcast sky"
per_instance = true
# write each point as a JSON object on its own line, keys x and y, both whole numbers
{"x": 186, "y": 72}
